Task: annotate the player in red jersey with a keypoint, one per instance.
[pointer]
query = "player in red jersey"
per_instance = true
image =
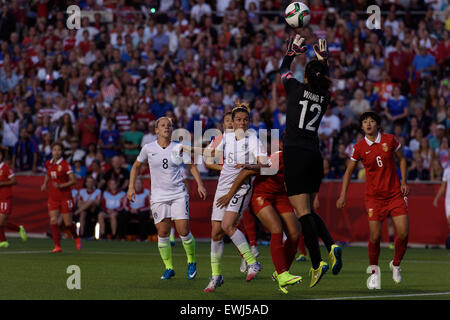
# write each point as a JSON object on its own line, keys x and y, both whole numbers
{"x": 61, "y": 178}
{"x": 7, "y": 180}
{"x": 272, "y": 207}
{"x": 385, "y": 194}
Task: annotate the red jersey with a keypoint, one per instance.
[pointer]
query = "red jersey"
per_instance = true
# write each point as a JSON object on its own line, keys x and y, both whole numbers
{"x": 6, "y": 173}
{"x": 58, "y": 172}
{"x": 273, "y": 184}
{"x": 378, "y": 159}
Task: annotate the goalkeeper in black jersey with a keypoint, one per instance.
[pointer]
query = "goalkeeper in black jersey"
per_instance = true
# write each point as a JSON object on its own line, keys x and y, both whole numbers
{"x": 306, "y": 105}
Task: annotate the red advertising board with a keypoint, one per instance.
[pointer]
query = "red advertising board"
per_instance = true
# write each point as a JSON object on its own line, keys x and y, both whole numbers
{"x": 427, "y": 224}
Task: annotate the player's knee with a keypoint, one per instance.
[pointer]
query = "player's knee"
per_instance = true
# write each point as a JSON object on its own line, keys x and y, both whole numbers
{"x": 53, "y": 220}
{"x": 227, "y": 227}
{"x": 375, "y": 238}
{"x": 402, "y": 235}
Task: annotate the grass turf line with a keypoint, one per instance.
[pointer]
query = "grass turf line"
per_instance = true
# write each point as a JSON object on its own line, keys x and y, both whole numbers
{"x": 132, "y": 270}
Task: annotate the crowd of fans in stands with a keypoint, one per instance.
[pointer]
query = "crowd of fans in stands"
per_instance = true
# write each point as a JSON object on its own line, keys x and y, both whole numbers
{"x": 99, "y": 88}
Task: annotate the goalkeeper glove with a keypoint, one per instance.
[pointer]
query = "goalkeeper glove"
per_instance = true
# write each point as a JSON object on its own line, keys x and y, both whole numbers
{"x": 321, "y": 50}
{"x": 296, "y": 46}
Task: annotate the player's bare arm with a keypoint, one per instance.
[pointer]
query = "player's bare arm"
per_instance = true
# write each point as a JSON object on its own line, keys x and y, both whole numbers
{"x": 131, "y": 193}
{"x": 201, "y": 188}
{"x": 44, "y": 185}
{"x": 403, "y": 170}
{"x": 440, "y": 193}
{"x": 10, "y": 182}
{"x": 340, "y": 203}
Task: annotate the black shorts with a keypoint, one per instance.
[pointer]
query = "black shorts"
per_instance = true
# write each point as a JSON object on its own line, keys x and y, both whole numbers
{"x": 303, "y": 170}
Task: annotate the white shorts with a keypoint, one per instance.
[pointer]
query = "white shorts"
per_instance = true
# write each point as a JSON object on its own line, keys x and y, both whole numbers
{"x": 239, "y": 203}
{"x": 177, "y": 209}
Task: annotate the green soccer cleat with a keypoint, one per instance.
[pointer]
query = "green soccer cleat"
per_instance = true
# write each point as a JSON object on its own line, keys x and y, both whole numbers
{"x": 300, "y": 258}
{"x": 336, "y": 259}
{"x": 286, "y": 279}
{"x": 316, "y": 274}
{"x": 4, "y": 244}
{"x": 391, "y": 246}
{"x": 23, "y": 233}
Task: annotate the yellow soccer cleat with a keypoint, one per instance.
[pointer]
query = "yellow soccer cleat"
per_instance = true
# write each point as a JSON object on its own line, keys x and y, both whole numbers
{"x": 4, "y": 244}
{"x": 23, "y": 233}
{"x": 316, "y": 274}
{"x": 336, "y": 259}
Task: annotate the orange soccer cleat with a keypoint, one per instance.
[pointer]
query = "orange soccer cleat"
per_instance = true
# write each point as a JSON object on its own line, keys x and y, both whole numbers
{"x": 57, "y": 249}
{"x": 77, "y": 243}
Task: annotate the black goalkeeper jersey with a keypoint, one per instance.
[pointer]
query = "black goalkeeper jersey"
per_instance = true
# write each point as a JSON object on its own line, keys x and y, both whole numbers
{"x": 305, "y": 109}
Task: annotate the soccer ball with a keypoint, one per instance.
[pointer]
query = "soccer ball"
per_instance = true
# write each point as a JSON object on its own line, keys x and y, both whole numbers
{"x": 297, "y": 15}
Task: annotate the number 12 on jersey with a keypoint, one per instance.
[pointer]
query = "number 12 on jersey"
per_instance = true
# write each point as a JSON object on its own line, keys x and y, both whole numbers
{"x": 314, "y": 108}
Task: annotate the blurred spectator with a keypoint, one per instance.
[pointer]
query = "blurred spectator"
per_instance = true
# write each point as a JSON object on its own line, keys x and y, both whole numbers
{"x": 359, "y": 105}
{"x": 88, "y": 204}
{"x": 397, "y": 108}
{"x": 112, "y": 204}
{"x": 25, "y": 153}
{"x": 117, "y": 173}
{"x": 151, "y": 135}
{"x": 109, "y": 142}
{"x": 137, "y": 210}
{"x": 329, "y": 127}
{"x": 87, "y": 128}
{"x": 417, "y": 171}
{"x": 131, "y": 142}
{"x": 160, "y": 106}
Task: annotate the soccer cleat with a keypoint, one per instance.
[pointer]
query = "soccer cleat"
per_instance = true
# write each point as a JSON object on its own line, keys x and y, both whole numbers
{"x": 214, "y": 283}
{"x": 286, "y": 279}
{"x": 336, "y": 259}
{"x": 374, "y": 281}
{"x": 300, "y": 257}
{"x": 169, "y": 273}
{"x": 396, "y": 272}
{"x": 192, "y": 270}
{"x": 4, "y": 244}
{"x": 57, "y": 249}
{"x": 23, "y": 233}
{"x": 255, "y": 251}
{"x": 244, "y": 266}
{"x": 316, "y": 274}
{"x": 391, "y": 246}
{"x": 77, "y": 243}
{"x": 253, "y": 270}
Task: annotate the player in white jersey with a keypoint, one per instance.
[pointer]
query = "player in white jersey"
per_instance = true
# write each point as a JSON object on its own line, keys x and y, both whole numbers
{"x": 169, "y": 197}
{"x": 445, "y": 187}
{"x": 240, "y": 148}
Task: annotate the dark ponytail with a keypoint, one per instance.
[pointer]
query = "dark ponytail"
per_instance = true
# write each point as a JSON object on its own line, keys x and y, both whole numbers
{"x": 316, "y": 73}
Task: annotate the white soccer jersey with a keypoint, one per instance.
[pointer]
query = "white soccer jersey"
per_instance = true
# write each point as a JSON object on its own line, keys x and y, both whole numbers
{"x": 243, "y": 151}
{"x": 86, "y": 196}
{"x": 166, "y": 167}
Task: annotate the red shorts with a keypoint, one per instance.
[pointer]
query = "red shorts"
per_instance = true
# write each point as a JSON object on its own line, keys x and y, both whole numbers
{"x": 5, "y": 207}
{"x": 379, "y": 209}
{"x": 279, "y": 201}
{"x": 63, "y": 206}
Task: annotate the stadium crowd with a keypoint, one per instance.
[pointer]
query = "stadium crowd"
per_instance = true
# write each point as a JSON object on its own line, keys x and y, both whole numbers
{"x": 98, "y": 89}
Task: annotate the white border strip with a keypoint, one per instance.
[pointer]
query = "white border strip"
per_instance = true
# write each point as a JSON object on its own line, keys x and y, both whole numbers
{"x": 388, "y": 296}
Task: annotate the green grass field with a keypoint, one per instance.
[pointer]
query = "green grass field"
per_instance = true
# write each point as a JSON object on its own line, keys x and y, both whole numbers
{"x": 131, "y": 270}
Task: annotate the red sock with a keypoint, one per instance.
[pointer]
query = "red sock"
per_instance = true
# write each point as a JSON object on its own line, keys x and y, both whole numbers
{"x": 12, "y": 226}
{"x": 250, "y": 227}
{"x": 301, "y": 245}
{"x": 374, "y": 253}
{"x": 55, "y": 234}
{"x": 277, "y": 252}
{"x": 290, "y": 249}
{"x": 400, "y": 249}
{"x": 2, "y": 234}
